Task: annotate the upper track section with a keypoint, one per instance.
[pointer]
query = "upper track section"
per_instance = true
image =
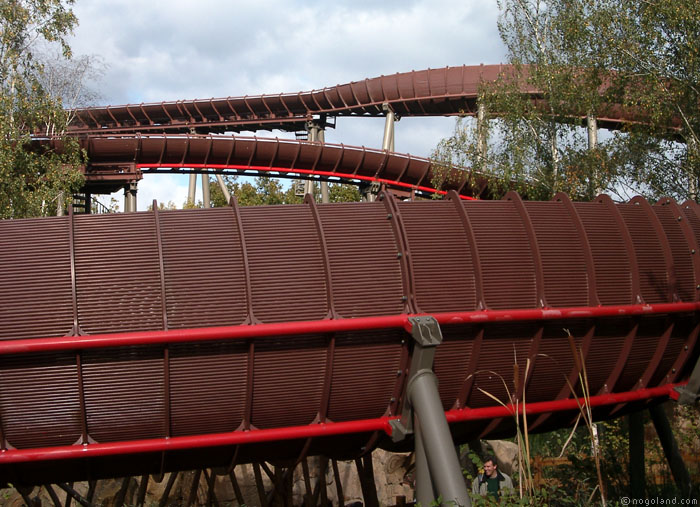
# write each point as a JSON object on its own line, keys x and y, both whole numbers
{"x": 446, "y": 91}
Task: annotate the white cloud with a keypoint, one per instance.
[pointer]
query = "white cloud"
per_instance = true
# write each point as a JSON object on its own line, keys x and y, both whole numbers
{"x": 177, "y": 49}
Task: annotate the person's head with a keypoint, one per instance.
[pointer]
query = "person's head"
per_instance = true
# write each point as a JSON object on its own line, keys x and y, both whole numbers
{"x": 490, "y": 466}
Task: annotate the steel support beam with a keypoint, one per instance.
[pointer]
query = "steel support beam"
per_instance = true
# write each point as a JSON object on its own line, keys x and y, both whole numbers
{"x": 223, "y": 187}
{"x": 425, "y": 490}
{"x": 192, "y": 189}
{"x": 423, "y": 403}
{"x": 129, "y": 197}
{"x": 673, "y": 455}
{"x": 690, "y": 393}
{"x": 206, "y": 192}
{"x": 636, "y": 450}
{"x": 388, "y": 141}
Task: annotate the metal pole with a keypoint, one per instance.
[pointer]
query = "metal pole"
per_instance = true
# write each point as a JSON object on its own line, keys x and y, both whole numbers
{"x": 224, "y": 188}
{"x": 133, "y": 188}
{"x": 192, "y": 189}
{"x": 388, "y": 141}
{"x": 312, "y": 128}
{"x": 636, "y": 449}
{"x": 673, "y": 455}
{"x": 206, "y": 194}
{"x": 442, "y": 458}
{"x": 425, "y": 491}
{"x": 325, "y": 194}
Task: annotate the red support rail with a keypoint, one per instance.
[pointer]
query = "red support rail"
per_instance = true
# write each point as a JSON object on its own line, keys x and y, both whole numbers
{"x": 311, "y": 430}
{"x": 329, "y": 326}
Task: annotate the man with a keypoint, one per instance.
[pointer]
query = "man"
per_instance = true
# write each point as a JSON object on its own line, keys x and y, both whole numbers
{"x": 492, "y": 482}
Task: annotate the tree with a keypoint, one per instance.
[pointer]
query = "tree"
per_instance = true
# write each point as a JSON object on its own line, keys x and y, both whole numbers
{"x": 33, "y": 175}
{"x": 588, "y": 58}
{"x": 266, "y": 190}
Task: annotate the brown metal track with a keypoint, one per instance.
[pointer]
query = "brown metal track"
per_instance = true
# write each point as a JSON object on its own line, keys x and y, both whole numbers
{"x": 433, "y": 92}
{"x": 115, "y": 161}
{"x": 274, "y": 267}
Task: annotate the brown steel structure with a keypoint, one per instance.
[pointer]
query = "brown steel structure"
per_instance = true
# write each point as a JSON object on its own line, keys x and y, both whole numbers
{"x": 432, "y": 92}
{"x": 111, "y": 364}
{"x": 116, "y": 160}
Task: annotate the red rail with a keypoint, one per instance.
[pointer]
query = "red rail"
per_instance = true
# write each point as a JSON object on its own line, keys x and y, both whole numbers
{"x": 329, "y": 326}
{"x": 312, "y": 172}
{"x": 309, "y": 431}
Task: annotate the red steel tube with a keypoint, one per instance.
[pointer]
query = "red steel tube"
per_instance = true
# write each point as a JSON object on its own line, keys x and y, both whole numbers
{"x": 301, "y": 171}
{"x": 308, "y": 431}
{"x": 328, "y": 326}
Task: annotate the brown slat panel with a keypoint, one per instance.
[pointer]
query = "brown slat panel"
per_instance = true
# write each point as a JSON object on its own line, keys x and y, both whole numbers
{"x": 563, "y": 260}
{"x": 642, "y": 352}
{"x": 365, "y": 271}
{"x": 451, "y": 362}
{"x": 207, "y": 387}
{"x": 287, "y": 388}
{"x": 286, "y": 266}
{"x": 653, "y": 274}
{"x": 683, "y": 263}
{"x": 124, "y": 393}
{"x": 35, "y": 285}
{"x": 612, "y": 266}
{"x": 442, "y": 267}
{"x": 202, "y": 260}
{"x": 504, "y": 253}
{"x": 365, "y": 370}
{"x": 117, "y": 273}
{"x": 39, "y": 400}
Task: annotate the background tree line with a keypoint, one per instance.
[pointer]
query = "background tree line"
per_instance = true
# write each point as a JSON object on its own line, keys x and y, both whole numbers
{"x": 590, "y": 58}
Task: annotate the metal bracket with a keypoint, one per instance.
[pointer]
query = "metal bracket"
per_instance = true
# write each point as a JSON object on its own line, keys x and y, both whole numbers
{"x": 426, "y": 336}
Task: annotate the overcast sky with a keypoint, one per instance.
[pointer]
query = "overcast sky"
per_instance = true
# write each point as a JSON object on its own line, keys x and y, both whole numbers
{"x": 177, "y": 49}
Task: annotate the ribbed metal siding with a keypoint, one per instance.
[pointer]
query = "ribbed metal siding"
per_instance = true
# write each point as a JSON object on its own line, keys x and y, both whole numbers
{"x": 124, "y": 393}
{"x": 365, "y": 371}
{"x": 203, "y": 266}
{"x": 39, "y": 400}
{"x": 286, "y": 267}
{"x": 505, "y": 255}
{"x": 682, "y": 262}
{"x": 504, "y": 345}
{"x": 451, "y": 361}
{"x": 207, "y": 387}
{"x": 612, "y": 266}
{"x": 643, "y": 352}
{"x": 117, "y": 273}
{"x": 563, "y": 261}
{"x": 35, "y": 286}
{"x": 366, "y": 272}
{"x": 289, "y": 376}
{"x": 605, "y": 352}
{"x": 653, "y": 274}
{"x": 442, "y": 265}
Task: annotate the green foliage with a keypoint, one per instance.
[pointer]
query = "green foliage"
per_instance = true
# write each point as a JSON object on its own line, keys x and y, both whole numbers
{"x": 598, "y": 58}
{"x": 32, "y": 177}
{"x": 266, "y": 190}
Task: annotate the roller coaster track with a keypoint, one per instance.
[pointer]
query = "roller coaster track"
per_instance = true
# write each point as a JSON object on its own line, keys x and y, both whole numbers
{"x": 448, "y": 91}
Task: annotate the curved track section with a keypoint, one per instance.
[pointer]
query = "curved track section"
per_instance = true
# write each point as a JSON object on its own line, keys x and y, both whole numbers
{"x": 119, "y": 159}
{"x": 432, "y": 92}
{"x": 212, "y": 337}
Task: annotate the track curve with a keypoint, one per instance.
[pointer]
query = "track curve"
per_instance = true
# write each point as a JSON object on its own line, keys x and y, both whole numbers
{"x": 447, "y": 91}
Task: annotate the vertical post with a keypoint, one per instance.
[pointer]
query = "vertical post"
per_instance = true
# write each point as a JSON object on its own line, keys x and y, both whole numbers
{"x": 192, "y": 189}
{"x": 388, "y": 141}
{"x": 313, "y": 130}
{"x": 673, "y": 455}
{"x": 636, "y": 450}
{"x": 129, "y": 197}
{"x": 206, "y": 193}
{"x": 481, "y": 133}
{"x": 325, "y": 194}
{"x": 60, "y": 205}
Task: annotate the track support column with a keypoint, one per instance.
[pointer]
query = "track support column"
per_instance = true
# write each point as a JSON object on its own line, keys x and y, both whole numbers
{"x": 388, "y": 141}
{"x": 673, "y": 455}
{"x": 130, "y": 197}
{"x": 443, "y": 474}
